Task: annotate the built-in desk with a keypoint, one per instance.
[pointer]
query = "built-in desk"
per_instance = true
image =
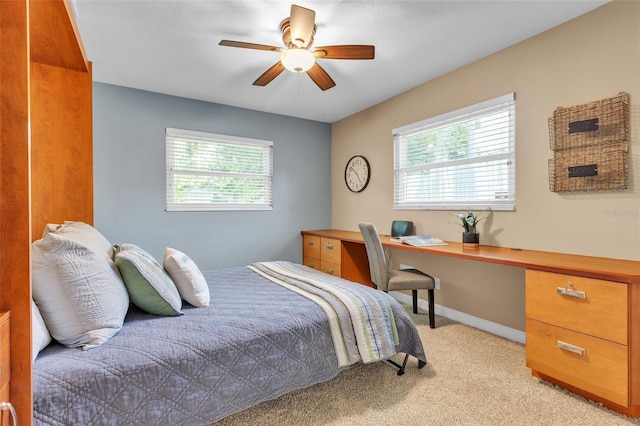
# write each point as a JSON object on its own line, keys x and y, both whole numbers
{"x": 582, "y": 312}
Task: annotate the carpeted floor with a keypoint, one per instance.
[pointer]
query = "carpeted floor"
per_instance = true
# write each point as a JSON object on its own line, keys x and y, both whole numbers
{"x": 473, "y": 378}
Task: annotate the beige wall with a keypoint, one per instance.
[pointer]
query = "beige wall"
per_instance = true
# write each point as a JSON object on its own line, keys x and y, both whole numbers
{"x": 590, "y": 58}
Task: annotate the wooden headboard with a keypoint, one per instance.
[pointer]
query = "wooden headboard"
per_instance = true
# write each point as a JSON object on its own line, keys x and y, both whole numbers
{"x": 46, "y": 156}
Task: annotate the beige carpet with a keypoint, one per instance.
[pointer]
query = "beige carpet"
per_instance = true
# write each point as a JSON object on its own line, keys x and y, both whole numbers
{"x": 473, "y": 378}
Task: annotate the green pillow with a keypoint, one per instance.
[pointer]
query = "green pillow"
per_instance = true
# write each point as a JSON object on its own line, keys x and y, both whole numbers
{"x": 149, "y": 286}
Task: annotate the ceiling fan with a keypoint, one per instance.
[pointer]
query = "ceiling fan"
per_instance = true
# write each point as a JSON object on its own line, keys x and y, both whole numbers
{"x": 297, "y": 55}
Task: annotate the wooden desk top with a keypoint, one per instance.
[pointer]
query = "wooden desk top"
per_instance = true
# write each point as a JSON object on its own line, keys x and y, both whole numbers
{"x": 620, "y": 270}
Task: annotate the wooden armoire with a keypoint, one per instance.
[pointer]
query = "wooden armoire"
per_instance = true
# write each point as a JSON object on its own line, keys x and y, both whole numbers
{"x": 46, "y": 164}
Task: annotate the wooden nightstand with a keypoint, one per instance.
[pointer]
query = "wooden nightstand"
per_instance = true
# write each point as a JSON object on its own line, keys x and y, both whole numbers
{"x": 5, "y": 367}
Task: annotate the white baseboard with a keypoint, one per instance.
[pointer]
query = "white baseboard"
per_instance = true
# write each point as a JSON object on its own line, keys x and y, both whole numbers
{"x": 461, "y": 317}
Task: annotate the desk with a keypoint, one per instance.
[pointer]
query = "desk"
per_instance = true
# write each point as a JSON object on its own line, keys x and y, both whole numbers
{"x": 594, "y": 302}
{"x": 624, "y": 271}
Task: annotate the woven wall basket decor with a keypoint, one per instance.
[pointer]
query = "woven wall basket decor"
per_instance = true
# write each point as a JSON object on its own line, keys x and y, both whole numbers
{"x": 590, "y": 145}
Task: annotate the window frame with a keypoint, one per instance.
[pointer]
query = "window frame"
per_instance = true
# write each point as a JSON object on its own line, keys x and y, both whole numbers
{"x": 502, "y": 202}
{"x": 172, "y": 134}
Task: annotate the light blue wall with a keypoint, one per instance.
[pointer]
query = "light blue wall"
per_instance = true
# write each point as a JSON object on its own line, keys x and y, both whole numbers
{"x": 129, "y": 179}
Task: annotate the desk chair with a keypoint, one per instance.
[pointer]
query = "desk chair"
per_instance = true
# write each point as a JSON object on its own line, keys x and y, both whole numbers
{"x": 386, "y": 279}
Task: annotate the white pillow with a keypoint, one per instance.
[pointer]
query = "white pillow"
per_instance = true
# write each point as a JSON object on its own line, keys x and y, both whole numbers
{"x": 76, "y": 285}
{"x": 40, "y": 336}
{"x": 190, "y": 282}
{"x": 89, "y": 235}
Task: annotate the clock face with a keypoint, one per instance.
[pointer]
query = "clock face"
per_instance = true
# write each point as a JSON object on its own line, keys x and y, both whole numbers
{"x": 357, "y": 173}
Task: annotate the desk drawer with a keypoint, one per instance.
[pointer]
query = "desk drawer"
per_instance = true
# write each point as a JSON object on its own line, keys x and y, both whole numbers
{"x": 600, "y": 369}
{"x": 330, "y": 251}
{"x": 311, "y": 246}
{"x": 586, "y": 305}
{"x": 330, "y": 268}
{"x": 311, "y": 262}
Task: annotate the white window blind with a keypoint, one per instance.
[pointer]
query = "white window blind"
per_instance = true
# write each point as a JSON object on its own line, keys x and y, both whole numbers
{"x": 206, "y": 171}
{"x": 462, "y": 160}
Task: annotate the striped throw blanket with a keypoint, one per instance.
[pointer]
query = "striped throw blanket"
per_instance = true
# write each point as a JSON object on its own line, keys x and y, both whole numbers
{"x": 361, "y": 320}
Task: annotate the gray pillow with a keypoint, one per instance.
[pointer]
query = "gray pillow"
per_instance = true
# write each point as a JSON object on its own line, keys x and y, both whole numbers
{"x": 40, "y": 336}
{"x": 77, "y": 286}
{"x": 149, "y": 286}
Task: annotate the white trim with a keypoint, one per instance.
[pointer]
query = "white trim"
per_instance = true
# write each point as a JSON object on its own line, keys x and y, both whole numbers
{"x": 480, "y": 323}
{"x": 214, "y": 137}
{"x": 457, "y": 113}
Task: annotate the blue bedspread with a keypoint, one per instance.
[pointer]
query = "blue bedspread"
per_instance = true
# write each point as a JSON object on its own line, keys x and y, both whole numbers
{"x": 256, "y": 341}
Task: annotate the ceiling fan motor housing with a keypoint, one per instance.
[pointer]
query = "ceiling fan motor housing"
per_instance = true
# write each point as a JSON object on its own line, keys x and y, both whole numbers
{"x": 285, "y": 28}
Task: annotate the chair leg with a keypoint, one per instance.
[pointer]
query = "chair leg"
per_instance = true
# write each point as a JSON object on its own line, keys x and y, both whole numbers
{"x": 432, "y": 309}
{"x": 414, "y": 293}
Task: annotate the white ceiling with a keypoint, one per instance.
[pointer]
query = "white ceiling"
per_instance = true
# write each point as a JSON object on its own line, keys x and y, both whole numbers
{"x": 172, "y": 47}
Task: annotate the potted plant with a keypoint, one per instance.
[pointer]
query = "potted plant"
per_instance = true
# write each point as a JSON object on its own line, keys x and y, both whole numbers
{"x": 469, "y": 223}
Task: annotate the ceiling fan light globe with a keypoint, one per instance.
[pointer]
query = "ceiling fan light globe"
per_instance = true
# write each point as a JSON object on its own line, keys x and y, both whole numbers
{"x": 297, "y": 60}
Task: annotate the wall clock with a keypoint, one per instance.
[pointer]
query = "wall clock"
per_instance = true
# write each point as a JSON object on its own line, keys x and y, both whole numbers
{"x": 357, "y": 173}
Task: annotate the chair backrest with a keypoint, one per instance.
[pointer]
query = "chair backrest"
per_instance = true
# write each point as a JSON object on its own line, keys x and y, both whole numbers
{"x": 375, "y": 253}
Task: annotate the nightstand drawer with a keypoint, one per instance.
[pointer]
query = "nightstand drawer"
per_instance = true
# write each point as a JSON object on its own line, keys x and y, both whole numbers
{"x": 330, "y": 251}
{"x": 5, "y": 360}
{"x": 311, "y": 246}
{"x": 586, "y": 305}
{"x": 4, "y": 394}
{"x": 330, "y": 268}
{"x": 591, "y": 364}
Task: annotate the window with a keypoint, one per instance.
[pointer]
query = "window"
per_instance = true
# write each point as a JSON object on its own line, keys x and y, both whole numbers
{"x": 461, "y": 160}
{"x": 206, "y": 171}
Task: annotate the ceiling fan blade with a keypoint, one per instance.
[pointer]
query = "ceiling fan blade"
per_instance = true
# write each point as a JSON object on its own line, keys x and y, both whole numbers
{"x": 269, "y": 74}
{"x": 320, "y": 77}
{"x": 347, "y": 51}
{"x": 255, "y": 46}
{"x": 302, "y": 25}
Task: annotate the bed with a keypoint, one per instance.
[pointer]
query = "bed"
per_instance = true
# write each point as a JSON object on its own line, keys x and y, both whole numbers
{"x": 255, "y": 341}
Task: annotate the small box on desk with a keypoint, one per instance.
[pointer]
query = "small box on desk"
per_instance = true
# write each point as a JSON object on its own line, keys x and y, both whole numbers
{"x": 401, "y": 228}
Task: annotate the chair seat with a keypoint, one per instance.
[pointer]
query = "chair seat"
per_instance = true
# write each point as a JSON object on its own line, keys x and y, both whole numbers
{"x": 409, "y": 279}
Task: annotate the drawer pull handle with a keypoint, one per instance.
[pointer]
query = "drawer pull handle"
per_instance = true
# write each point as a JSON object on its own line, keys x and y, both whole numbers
{"x": 571, "y": 348}
{"x": 310, "y": 242}
{"x": 330, "y": 246}
{"x": 311, "y": 265}
{"x": 562, "y": 291}
{"x": 329, "y": 271}
{"x": 6, "y": 406}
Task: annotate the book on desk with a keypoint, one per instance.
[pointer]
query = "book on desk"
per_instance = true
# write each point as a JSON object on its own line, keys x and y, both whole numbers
{"x": 419, "y": 240}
